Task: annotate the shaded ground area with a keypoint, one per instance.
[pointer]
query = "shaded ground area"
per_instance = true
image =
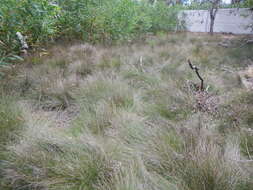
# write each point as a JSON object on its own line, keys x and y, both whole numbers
{"x": 129, "y": 117}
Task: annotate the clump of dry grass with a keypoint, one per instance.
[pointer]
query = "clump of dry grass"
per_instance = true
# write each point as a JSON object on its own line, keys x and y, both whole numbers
{"x": 84, "y": 58}
{"x": 97, "y": 118}
{"x": 52, "y": 89}
{"x": 197, "y": 159}
{"x": 46, "y": 158}
{"x": 11, "y": 118}
{"x": 169, "y": 101}
{"x": 129, "y": 128}
{"x": 236, "y": 111}
{"x": 110, "y": 89}
{"x": 52, "y": 81}
{"x": 100, "y": 100}
{"x": 136, "y": 176}
{"x": 11, "y": 124}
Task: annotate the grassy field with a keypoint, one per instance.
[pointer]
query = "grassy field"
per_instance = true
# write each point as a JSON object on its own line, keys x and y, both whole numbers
{"x": 129, "y": 117}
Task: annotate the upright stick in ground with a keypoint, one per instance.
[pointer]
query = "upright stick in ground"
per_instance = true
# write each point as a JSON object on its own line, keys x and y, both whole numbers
{"x": 196, "y": 69}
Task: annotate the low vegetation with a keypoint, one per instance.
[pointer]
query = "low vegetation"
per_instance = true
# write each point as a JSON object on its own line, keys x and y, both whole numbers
{"x": 129, "y": 117}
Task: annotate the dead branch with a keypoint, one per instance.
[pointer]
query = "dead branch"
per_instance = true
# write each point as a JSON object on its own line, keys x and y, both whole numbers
{"x": 196, "y": 69}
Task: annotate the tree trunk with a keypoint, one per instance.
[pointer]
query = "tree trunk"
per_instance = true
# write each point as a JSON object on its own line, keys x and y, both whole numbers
{"x": 213, "y": 12}
{"x": 211, "y": 26}
{"x": 212, "y": 18}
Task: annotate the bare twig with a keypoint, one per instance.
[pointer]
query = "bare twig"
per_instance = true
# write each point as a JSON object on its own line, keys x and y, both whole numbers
{"x": 196, "y": 69}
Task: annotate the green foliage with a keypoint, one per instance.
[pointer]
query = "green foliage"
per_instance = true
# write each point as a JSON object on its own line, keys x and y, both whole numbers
{"x": 103, "y": 21}
{"x": 206, "y": 5}
{"x": 33, "y": 18}
{"x": 164, "y": 17}
{"x": 5, "y": 60}
{"x": 42, "y": 21}
{"x": 249, "y": 3}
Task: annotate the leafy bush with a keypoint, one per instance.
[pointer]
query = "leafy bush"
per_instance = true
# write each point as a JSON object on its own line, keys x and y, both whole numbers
{"x": 34, "y": 18}
{"x": 163, "y": 17}
{"x": 206, "y": 5}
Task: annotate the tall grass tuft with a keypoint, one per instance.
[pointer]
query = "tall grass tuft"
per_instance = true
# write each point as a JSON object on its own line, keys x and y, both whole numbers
{"x": 46, "y": 158}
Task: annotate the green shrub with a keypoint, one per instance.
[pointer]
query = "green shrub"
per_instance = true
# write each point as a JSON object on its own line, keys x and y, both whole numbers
{"x": 33, "y": 18}
{"x": 103, "y": 20}
{"x": 92, "y": 20}
{"x": 163, "y": 17}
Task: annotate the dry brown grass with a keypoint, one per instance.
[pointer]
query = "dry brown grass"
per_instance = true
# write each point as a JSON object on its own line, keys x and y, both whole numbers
{"x": 129, "y": 117}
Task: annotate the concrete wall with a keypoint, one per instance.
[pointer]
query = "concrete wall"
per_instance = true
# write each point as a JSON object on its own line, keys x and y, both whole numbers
{"x": 227, "y": 20}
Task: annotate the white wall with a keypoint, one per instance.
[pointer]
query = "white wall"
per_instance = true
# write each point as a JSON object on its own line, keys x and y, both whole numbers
{"x": 227, "y": 20}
